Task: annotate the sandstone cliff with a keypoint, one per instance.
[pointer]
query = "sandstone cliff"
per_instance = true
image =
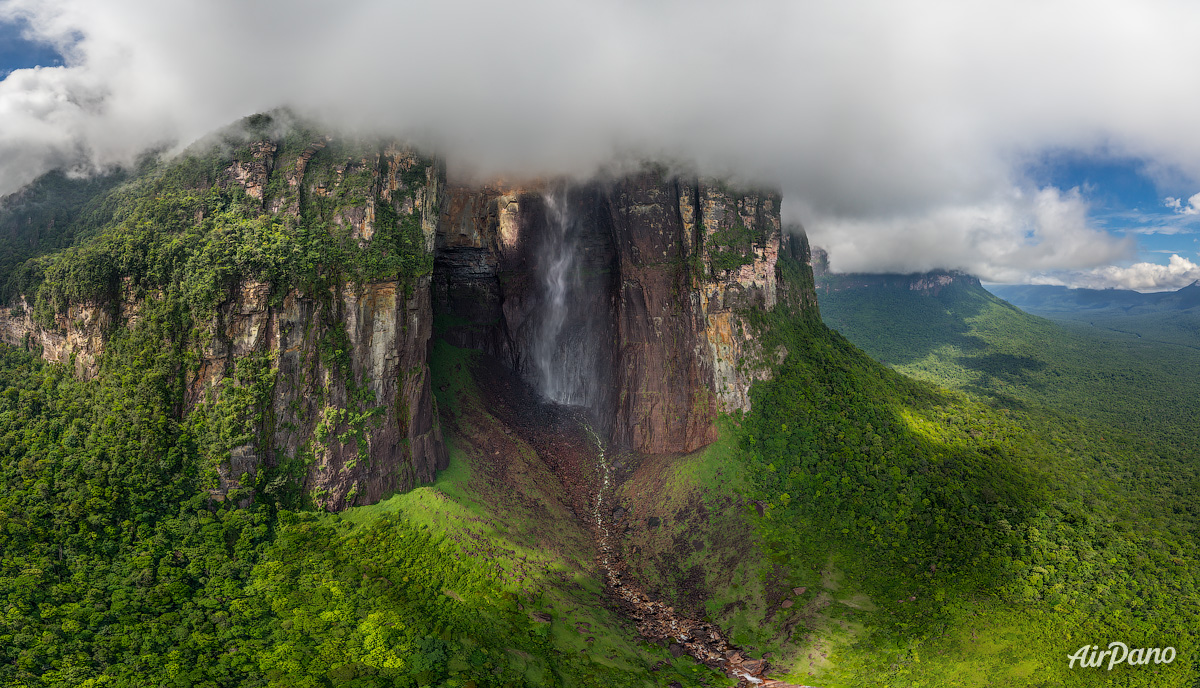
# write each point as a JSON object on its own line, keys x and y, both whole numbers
{"x": 669, "y": 268}
{"x": 930, "y": 283}
{"x": 352, "y": 394}
{"x": 349, "y": 401}
{"x": 630, "y": 297}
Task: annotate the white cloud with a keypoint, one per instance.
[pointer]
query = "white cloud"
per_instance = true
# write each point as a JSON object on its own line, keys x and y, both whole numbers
{"x": 1002, "y": 240}
{"x": 872, "y": 116}
{"x": 1191, "y": 208}
{"x": 1176, "y": 274}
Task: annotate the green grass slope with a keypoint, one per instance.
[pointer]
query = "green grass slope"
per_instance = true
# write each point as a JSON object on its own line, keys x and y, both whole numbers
{"x": 991, "y": 542}
{"x": 1082, "y": 446}
{"x": 862, "y": 527}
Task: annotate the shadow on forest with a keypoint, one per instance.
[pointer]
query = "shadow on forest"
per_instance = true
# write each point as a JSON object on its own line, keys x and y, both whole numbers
{"x": 869, "y": 442}
{"x": 1005, "y": 366}
{"x": 912, "y": 327}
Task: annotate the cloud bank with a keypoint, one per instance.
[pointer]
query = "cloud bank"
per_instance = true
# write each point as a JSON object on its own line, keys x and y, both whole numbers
{"x": 999, "y": 240}
{"x": 897, "y": 131}
{"x": 1178, "y": 273}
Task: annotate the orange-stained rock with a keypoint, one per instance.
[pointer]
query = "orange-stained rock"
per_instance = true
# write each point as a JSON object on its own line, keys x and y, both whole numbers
{"x": 373, "y": 401}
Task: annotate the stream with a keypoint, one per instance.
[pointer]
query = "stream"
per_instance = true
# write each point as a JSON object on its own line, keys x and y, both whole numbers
{"x": 566, "y": 350}
{"x": 658, "y": 621}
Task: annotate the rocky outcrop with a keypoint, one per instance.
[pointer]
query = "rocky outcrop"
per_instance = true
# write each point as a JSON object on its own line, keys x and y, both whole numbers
{"x": 668, "y": 269}
{"x": 694, "y": 257}
{"x": 797, "y": 290}
{"x": 349, "y": 405}
{"x": 351, "y": 396}
{"x": 253, "y": 172}
{"x": 478, "y": 226}
{"x": 76, "y": 338}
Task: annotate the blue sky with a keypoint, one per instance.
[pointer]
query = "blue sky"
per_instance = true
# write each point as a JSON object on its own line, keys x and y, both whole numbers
{"x": 1126, "y": 197}
{"x": 18, "y": 53}
{"x": 904, "y": 136}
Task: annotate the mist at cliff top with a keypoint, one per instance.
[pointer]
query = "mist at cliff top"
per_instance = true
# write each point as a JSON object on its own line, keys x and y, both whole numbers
{"x": 899, "y": 132}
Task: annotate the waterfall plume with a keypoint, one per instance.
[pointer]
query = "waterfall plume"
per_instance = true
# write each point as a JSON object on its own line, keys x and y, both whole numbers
{"x": 566, "y": 346}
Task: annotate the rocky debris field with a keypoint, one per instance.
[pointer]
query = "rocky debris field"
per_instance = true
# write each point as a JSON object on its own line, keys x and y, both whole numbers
{"x": 563, "y": 437}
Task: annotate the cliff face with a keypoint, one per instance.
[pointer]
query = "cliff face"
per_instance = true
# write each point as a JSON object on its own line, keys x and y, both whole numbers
{"x": 627, "y": 297}
{"x": 667, "y": 269}
{"x": 351, "y": 394}
{"x": 693, "y": 255}
{"x": 349, "y": 400}
{"x": 76, "y": 339}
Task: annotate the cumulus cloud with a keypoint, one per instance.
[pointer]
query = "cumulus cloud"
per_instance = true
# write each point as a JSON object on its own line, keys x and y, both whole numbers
{"x": 1000, "y": 240}
{"x": 1192, "y": 207}
{"x": 1178, "y": 273}
{"x": 874, "y": 117}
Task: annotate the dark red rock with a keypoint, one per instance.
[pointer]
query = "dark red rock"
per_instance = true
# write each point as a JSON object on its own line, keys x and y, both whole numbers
{"x": 754, "y": 666}
{"x": 671, "y": 348}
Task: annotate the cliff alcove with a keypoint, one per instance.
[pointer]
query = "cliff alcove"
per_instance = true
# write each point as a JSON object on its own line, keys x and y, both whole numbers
{"x": 629, "y": 296}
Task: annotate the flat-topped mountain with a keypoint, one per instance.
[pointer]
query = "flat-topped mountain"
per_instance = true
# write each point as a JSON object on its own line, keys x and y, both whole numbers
{"x": 932, "y": 282}
{"x": 295, "y": 408}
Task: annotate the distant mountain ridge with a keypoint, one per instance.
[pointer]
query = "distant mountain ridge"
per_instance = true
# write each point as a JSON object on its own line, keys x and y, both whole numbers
{"x": 1121, "y": 347}
{"x": 1170, "y": 316}
{"x": 1045, "y": 299}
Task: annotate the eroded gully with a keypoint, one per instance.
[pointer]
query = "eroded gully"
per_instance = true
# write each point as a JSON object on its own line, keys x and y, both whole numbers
{"x": 565, "y": 357}
{"x": 654, "y": 619}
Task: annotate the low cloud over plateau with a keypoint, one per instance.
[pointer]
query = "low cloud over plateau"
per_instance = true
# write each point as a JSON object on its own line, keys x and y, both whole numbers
{"x": 1179, "y": 272}
{"x": 897, "y": 131}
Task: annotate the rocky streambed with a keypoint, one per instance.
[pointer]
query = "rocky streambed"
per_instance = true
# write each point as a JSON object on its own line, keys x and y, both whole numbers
{"x": 655, "y": 619}
{"x": 565, "y": 439}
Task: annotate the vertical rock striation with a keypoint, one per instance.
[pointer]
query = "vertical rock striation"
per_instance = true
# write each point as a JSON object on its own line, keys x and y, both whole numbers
{"x": 348, "y": 405}
{"x": 628, "y": 296}
{"x": 667, "y": 270}
{"x": 351, "y": 397}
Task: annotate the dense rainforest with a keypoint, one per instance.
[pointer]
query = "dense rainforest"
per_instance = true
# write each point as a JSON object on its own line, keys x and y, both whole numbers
{"x": 855, "y": 527}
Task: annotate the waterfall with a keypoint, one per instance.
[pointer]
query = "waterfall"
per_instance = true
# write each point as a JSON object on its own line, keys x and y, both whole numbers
{"x": 565, "y": 346}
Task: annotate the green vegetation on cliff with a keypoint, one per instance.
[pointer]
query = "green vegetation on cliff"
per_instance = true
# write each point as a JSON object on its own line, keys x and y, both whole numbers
{"x": 865, "y": 527}
{"x": 118, "y": 567}
{"x": 185, "y": 228}
{"x": 731, "y": 247}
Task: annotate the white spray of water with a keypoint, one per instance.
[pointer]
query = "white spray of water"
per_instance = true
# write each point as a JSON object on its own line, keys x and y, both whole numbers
{"x": 606, "y": 549}
{"x": 598, "y": 508}
{"x": 564, "y": 357}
